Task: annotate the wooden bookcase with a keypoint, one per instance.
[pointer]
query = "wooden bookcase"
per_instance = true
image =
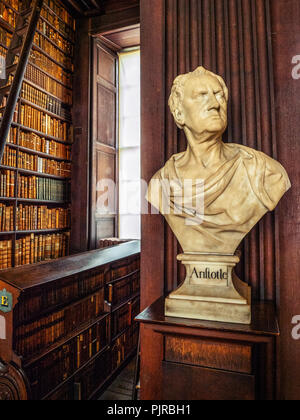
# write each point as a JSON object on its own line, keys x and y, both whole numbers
{"x": 67, "y": 326}
{"x": 36, "y": 167}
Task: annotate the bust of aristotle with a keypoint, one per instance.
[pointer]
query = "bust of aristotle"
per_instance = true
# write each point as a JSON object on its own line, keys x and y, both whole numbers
{"x": 239, "y": 185}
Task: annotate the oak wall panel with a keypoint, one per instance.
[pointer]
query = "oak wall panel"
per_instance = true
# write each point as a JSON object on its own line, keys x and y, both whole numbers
{"x": 234, "y": 39}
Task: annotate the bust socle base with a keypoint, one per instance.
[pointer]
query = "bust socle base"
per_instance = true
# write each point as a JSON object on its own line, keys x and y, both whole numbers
{"x": 211, "y": 291}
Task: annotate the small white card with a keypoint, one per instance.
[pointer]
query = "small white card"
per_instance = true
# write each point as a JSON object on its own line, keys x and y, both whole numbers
{"x": 2, "y": 67}
{"x": 2, "y": 328}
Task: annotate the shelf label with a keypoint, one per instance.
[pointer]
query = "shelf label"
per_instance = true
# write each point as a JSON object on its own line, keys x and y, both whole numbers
{"x": 2, "y": 67}
{"x": 2, "y": 328}
{"x": 6, "y": 301}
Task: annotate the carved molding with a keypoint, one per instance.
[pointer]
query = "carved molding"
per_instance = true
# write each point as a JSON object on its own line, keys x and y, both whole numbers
{"x": 12, "y": 384}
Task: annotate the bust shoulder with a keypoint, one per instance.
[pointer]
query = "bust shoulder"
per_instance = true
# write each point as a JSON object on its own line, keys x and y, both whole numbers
{"x": 268, "y": 177}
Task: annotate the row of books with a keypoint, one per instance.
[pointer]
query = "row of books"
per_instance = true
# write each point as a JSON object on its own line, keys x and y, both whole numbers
{"x": 106, "y": 363}
{"x": 119, "y": 291}
{"x": 16, "y": 113}
{"x": 7, "y": 14}
{"x": 47, "y": 46}
{"x": 5, "y": 254}
{"x": 43, "y": 165}
{"x": 124, "y": 346}
{"x": 61, "y": 12}
{"x": 36, "y": 336}
{"x": 2, "y": 109}
{"x": 35, "y": 163}
{"x": 123, "y": 317}
{"x": 36, "y": 188}
{"x": 104, "y": 243}
{"x": 57, "y": 366}
{"x": 32, "y": 187}
{"x": 43, "y": 100}
{"x": 52, "y": 69}
{"x": 39, "y": 78}
{"x": 40, "y": 144}
{"x": 59, "y": 24}
{"x": 6, "y": 217}
{"x": 38, "y": 120}
{"x": 125, "y": 269}
{"x": 63, "y": 292}
{"x": 9, "y": 157}
{"x": 7, "y": 183}
{"x": 41, "y": 218}
{"x": 32, "y": 249}
{"x": 13, "y": 3}
{"x": 5, "y": 38}
{"x": 12, "y": 136}
{"x": 55, "y": 37}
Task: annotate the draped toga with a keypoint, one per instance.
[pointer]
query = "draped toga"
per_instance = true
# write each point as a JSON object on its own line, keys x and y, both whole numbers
{"x": 236, "y": 197}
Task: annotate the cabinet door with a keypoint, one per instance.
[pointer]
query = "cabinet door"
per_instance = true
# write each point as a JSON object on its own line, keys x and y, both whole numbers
{"x": 104, "y": 143}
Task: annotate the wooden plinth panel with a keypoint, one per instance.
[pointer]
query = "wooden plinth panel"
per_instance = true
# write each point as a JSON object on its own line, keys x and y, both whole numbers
{"x": 209, "y": 353}
{"x": 207, "y": 384}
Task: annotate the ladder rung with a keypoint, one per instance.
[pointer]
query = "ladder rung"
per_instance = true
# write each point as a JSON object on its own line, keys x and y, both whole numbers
{"x": 15, "y": 50}
{"x": 11, "y": 69}
{"x": 26, "y": 12}
{"x": 22, "y": 30}
{"x": 4, "y": 90}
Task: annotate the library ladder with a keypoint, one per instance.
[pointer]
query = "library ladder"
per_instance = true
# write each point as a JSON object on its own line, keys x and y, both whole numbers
{"x": 16, "y": 61}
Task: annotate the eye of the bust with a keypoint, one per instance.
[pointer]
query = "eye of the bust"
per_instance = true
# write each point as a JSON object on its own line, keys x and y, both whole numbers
{"x": 220, "y": 93}
{"x": 201, "y": 93}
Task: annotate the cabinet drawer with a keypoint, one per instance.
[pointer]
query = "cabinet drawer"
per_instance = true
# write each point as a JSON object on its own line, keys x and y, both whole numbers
{"x": 234, "y": 357}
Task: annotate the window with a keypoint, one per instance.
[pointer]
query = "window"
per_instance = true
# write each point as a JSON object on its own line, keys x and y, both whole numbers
{"x": 129, "y": 145}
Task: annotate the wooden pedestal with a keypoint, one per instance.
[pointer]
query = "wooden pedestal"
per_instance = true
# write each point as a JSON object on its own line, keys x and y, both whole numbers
{"x": 204, "y": 360}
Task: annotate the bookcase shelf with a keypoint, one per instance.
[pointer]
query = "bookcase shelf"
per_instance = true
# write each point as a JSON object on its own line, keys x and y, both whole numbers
{"x": 5, "y": 25}
{"x": 39, "y": 49}
{"x": 26, "y": 232}
{"x": 38, "y": 174}
{"x": 54, "y": 44}
{"x": 2, "y": 45}
{"x": 45, "y": 111}
{"x": 77, "y": 331}
{"x": 35, "y": 152}
{"x": 59, "y": 18}
{"x": 34, "y": 201}
{"x": 9, "y": 6}
{"x": 48, "y": 183}
{"x": 49, "y": 75}
{"x": 42, "y": 231}
{"x": 29, "y": 82}
{"x": 40, "y": 133}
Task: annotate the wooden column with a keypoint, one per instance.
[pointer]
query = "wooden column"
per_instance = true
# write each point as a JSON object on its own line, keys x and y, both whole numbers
{"x": 153, "y": 155}
{"x": 81, "y": 148}
{"x": 286, "y": 42}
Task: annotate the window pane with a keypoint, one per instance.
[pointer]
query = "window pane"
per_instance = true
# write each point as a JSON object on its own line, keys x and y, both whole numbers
{"x": 129, "y": 146}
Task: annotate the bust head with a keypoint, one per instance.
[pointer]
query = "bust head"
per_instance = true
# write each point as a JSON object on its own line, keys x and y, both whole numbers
{"x": 198, "y": 102}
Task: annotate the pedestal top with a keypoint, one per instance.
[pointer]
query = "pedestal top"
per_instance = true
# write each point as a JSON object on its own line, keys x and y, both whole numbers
{"x": 264, "y": 320}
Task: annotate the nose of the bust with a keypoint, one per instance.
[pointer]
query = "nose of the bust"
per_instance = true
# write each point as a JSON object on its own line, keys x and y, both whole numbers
{"x": 213, "y": 103}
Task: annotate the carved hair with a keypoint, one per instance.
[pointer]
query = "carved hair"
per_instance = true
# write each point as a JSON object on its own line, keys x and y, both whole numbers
{"x": 177, "y": 92}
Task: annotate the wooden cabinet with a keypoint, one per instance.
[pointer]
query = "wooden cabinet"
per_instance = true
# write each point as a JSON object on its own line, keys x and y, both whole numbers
{"x": 201, "y": 360}
{"x": 60, "y": 339}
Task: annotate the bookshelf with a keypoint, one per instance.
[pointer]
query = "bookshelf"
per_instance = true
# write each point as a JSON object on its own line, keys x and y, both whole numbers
{"x": 70, "y": 326}
{"x": 35, "y": 171}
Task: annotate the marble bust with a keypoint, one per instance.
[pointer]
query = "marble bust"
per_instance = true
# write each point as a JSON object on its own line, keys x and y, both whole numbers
{"x": 239, "y": 185}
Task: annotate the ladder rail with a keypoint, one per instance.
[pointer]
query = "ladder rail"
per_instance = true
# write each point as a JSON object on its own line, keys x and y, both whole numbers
{"x": 19, "y": 76}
